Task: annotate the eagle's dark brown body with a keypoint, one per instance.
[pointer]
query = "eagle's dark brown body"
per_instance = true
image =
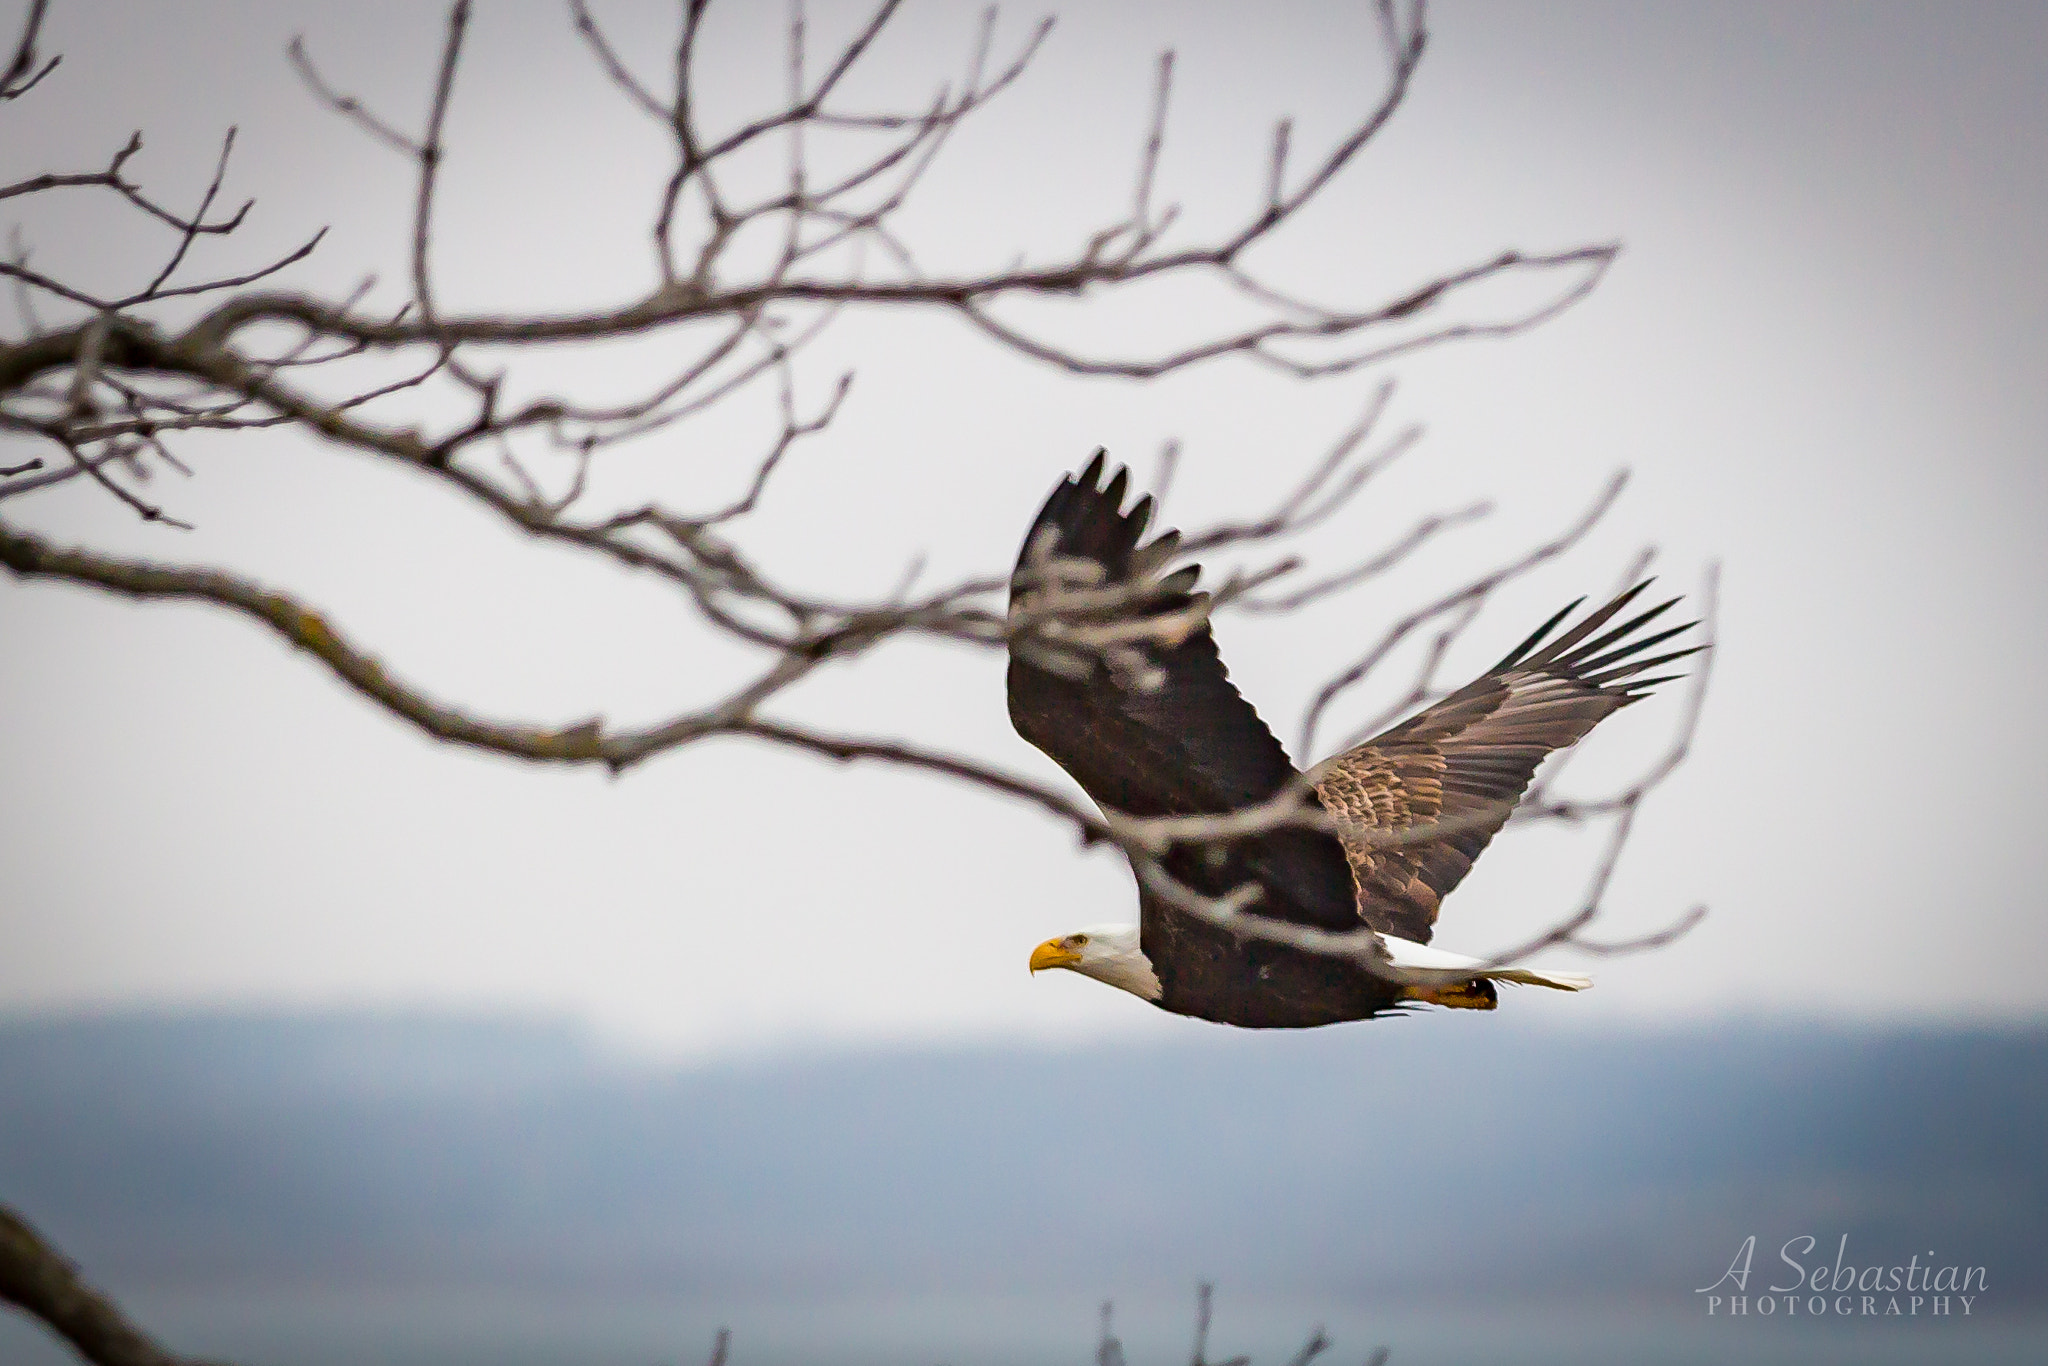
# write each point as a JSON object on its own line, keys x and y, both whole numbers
{"x": 1160, "y": 731}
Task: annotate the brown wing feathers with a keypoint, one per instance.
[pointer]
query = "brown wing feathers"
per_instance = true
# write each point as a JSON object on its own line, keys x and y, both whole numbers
{"x": 1585, "y": 664}
{"x": 1465, "y": 761}
{"x": 1179, "y": 742}
{"x": 1188, "y": 744}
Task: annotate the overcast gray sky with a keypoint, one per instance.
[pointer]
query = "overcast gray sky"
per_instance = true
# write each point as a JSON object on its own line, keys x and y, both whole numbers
{"x": 1821, "y": 353}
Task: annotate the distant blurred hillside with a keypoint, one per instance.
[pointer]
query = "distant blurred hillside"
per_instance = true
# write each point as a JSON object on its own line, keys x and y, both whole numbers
{"x": 1424, "y": 1159}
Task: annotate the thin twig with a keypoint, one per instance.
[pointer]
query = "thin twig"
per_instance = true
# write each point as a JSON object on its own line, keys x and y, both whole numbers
{"x": 430, "y": 154}
{"x": 22, "y": 75}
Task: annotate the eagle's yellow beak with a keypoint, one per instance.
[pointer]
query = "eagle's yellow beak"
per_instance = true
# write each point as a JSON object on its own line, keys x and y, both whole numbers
{"x": 1053, "y": 953}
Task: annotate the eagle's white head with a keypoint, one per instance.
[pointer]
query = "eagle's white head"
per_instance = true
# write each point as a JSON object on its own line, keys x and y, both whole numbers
{"x": 1108, "y": 953}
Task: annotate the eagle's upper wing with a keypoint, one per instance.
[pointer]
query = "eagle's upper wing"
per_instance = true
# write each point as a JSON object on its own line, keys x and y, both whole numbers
{"x": 1155, "y": 727}
{"x": 1464, "y": 762}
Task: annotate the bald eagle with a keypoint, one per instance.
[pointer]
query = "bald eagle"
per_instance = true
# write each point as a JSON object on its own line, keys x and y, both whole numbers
{"x": 1154, "y": 727}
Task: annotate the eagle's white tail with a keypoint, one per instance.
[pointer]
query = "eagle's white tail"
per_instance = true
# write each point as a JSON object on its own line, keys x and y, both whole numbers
{"x": 1563, "y": 981}
{"x": 1406, "y": 953}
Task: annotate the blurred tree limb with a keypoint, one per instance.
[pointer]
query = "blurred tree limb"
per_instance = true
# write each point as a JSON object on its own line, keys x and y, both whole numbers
{"x": 36, "y": 1278}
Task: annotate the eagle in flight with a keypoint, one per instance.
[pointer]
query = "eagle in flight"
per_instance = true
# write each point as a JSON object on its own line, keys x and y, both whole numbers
{"x": 1167, "y": 734}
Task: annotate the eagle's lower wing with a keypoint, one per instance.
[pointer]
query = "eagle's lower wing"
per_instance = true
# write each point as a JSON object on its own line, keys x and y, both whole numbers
{"x": 1462, "y": 764}
{"x": 1140, "y": 709}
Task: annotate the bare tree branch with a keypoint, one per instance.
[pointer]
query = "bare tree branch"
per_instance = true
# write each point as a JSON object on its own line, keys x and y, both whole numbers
{"x": 430, "y": 154}
{"x": 113, "y": 179}
{"x": 191, "y": 230}
{"x": 348, "y": 106}
{"x": 37, "y": 1279}
{"x": 1200, "y": 1356}
{"x": 22, "y": 74}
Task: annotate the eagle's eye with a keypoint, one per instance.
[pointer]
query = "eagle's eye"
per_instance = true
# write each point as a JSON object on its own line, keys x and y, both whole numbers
{"x": 1078, "y": 940}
